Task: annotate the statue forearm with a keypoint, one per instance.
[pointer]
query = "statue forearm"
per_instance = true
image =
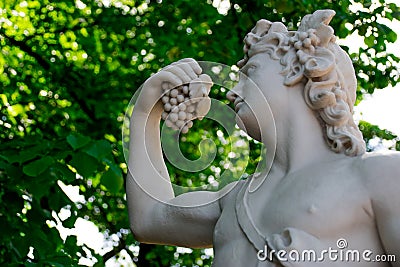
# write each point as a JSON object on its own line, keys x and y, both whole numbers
{"x": 146, "y": 163}
{"x": 154, "y": 211}
{"x": 148, "y": 180}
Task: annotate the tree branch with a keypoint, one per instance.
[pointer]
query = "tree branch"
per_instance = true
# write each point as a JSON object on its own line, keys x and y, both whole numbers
{"x": 26, "y": 48}
{"x": 86, "y": 109}
{"x": 130, "y": 254}
{"x": 115, "y": 251}
{"x": 46, "y": 65}
{"x": 144, "y": 249}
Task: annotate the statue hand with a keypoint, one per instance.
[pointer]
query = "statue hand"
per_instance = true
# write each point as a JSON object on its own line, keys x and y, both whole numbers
{"x": 198, "y": 90}
{"x": 178, "y": 73}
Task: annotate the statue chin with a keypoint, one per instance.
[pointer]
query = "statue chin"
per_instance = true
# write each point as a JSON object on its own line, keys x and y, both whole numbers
{"x": 248, "y": 123}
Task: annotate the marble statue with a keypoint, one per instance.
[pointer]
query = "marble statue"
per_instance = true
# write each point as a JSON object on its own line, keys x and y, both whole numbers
{"x": 324, "y": 201}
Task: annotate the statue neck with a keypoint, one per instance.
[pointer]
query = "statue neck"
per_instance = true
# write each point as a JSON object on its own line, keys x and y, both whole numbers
{"x": 300, "y": 138}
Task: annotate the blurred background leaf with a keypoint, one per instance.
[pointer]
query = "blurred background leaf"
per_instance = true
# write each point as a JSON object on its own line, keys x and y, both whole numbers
{"x": 68, "y": 69}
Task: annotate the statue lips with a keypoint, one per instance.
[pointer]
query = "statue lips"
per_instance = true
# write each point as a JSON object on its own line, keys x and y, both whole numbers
{"x": 238, "y": 103}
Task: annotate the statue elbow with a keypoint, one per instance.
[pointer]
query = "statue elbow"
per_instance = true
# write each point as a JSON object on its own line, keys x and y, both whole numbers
{"x": 140, "y": 231}
{"x": 145, "y": 230}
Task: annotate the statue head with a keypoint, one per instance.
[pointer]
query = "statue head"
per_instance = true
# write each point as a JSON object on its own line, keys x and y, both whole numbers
{"x": 310, "y": 56}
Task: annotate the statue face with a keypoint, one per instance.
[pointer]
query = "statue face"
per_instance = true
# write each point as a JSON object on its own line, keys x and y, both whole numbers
{"x": 260, "y": 90}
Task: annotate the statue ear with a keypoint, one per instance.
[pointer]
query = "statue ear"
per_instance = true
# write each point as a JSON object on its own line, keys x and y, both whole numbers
{"x": 295, "y": 74}
{"x": 320, "y": 64}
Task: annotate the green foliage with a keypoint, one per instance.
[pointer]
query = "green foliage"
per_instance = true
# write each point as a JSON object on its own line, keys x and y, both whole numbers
{"x": 67, "y": 72}
{"x": 373, "y": 132}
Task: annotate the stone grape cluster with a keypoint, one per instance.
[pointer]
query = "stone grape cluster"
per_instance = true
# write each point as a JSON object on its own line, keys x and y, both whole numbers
{"x": 305, "y": 40}
{"x": 185, "y": 103}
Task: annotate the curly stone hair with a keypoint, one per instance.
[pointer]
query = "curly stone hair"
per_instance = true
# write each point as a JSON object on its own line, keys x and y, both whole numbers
{"x": 311, "y": 56}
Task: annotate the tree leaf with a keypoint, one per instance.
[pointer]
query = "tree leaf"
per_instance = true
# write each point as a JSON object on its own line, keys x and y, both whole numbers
{"x": 369, "y": 41}
{"x": 64, "y": 173}
{"x": 84, "y": 164}
{"x": 99, "y": 149}
{"x": 69, "y": 223}
{"x": 38, "y": 166}
{"x": 77, "y": 141}
{"x": 112, "y": 180}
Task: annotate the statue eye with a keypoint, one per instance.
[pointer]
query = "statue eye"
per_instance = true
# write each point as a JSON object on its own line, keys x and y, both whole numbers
{"x": 248, "y": 68}
{"x": 251, "y": 68}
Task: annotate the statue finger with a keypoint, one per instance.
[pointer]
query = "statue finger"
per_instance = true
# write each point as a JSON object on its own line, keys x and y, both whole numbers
{"x": 194, "y": 65}
{"x": 180, "y": 72}
{"x": 169, "y": 80}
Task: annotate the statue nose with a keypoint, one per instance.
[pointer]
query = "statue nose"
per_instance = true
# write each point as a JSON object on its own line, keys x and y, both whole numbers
{"x": 231, "y": 95}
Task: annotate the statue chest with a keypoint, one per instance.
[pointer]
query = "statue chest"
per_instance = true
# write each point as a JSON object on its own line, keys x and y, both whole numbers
{"x": 325, "y": 204}
{"x": 310, "y": 209}
{"x": 326, "y": 207}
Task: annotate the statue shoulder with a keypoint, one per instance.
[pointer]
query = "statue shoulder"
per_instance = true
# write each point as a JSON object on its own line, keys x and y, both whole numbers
{"x": 380, "y": 172}
{"x": 380, "y": 163}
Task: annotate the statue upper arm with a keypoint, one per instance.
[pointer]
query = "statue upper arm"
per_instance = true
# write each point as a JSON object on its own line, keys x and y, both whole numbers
{"x": 186, "y": 220}
{"x": 384, "y": 187}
